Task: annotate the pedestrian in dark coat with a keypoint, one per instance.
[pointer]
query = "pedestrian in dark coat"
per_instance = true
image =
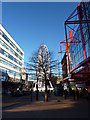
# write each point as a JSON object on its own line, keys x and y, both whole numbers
{"x": 65, "y": 93}
{"x": 77, "y": 93}
{"x": 74, "y": 94}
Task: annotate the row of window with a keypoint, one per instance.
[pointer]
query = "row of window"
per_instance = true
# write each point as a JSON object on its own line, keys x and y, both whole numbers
{"x": 10, "y": 49}
{"x": 87, "y": 6}
{"x": 10, "y": 42}
{"x": 10, "y": 72}
{"x": 9, "y": 64}
{"x": 77, "y": 61}
{"x": 78, "y": 55}
{"x": 10, "y": 56}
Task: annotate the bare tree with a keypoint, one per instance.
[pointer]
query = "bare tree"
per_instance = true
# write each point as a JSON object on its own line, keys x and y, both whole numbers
{"x": 40, "y": 64}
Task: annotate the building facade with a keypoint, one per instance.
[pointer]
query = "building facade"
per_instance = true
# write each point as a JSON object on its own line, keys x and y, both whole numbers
{"x": 77, "y": 46}
{"x": 64, "y": 66}
{"x": 11, "y": 57}
{"x": 80, "y": 45}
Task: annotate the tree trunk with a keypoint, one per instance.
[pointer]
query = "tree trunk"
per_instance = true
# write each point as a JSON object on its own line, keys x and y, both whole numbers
{"x": 37, "y": 90}
{"x": 46, "y": 95}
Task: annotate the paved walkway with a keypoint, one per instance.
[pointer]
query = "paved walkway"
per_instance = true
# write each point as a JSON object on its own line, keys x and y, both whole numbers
{"x": 23, "y": 108}
{"x": 8, "y": 100}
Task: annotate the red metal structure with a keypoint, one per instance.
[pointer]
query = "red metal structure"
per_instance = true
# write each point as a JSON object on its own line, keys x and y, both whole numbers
{"x": 77, "y": 32}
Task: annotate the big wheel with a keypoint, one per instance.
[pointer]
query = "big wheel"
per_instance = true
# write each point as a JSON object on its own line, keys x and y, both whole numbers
{"x": 43, "y": 60}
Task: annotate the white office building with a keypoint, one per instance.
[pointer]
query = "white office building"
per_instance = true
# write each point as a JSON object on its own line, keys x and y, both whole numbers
{"x": 11, "y": 57}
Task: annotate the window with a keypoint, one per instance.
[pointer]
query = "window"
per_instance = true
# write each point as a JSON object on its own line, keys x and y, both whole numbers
{"x": 10, "y": 57}
{"x": 5, "y": 37}
{"x": 20, "y": 63}
{"x": 20, "y": 58}
{"x": 6, "y": 54}
{"x": 1, "y": 51}
{"x": 21, "y": 53}
{"x": 0, "y": 32}
{"x": 16, "y": 54}
{"x": 17, "y": 49}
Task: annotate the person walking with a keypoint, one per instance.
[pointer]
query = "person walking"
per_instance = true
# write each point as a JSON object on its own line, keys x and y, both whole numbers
{"x": 65, "y": 94}
{"x": 31, "y": 90}
{"x": 77, "y": 94}
{"x": 73, "y": 94}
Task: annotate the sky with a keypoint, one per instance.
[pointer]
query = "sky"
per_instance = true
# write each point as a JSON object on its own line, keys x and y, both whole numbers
{"x": 32, "y": 24}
